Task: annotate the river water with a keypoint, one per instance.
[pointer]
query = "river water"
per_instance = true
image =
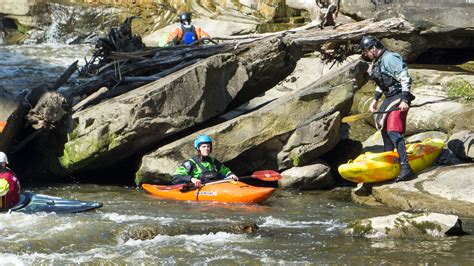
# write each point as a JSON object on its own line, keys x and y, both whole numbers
{"x": 294, "y": 227}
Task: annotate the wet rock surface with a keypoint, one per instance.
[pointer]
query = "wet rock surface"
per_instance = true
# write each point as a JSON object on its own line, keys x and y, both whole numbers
{"x": 407, "y": 225}
{"x": 146, "y": 232}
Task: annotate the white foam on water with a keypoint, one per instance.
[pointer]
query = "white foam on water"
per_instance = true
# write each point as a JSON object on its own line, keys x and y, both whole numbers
{"x": 55, "y": 54}
{"x": 10, "y": 259}
{"x": 190, "y": 241}
{"x": 217, "y": 238}
{"x": 122, "y": 218}
{"x": 92, "y": 255}
{"x": 276, "y": 222}
{"x": 17, "y": 220}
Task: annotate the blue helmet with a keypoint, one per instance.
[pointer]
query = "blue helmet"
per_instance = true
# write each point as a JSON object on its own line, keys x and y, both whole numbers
{"x": 201, "y": 140}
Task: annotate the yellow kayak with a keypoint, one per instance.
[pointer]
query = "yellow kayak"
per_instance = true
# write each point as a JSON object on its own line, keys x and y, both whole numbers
{"x": 377, "y": 167}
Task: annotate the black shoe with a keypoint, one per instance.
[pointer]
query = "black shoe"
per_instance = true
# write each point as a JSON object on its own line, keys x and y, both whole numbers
{"x": 405, "y": 173}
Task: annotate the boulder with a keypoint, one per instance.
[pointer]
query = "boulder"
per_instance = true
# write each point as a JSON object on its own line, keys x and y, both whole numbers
{"x": 133, "y": 122}
{"x": 252, "y": 141}
{"x": 462, "y": 144}
{"x": 407, "y": 225}
{"x": 444, "y": 189}
{"x": 435, "y": 16}
{"x": 451, "y": 18}
{"x": 146, "y": 232}
{"x": 307, "y": 71}
{"x": 315, "y": 176}
{"x": 310, "y": 141}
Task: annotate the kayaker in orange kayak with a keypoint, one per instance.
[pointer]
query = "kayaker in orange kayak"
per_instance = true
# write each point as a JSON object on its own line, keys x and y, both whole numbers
{"x": 9, "y": 185}
{"x": 390, "y": 73}
{"x": 202, "y": 167}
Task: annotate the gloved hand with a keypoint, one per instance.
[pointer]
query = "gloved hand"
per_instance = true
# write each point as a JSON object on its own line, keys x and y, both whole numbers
{"x": 206, "y": 177}
{"x": 233, "y": 177}
{"x": 196, "y": 182}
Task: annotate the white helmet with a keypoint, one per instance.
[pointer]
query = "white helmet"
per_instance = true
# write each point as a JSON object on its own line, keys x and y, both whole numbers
{"x": 3, "y": 157}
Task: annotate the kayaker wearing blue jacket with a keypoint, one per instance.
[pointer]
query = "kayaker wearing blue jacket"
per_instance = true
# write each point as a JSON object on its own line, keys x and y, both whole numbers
{"x": 202, "y": 168}
{"x": 390, "y": 73}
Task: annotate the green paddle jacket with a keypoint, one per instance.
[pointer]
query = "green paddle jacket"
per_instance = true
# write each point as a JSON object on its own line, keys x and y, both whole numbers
{"x": 206, "y": 170}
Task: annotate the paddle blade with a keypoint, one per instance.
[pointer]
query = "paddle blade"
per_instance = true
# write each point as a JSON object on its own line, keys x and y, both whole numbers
{"x": 3, "y": 124}
{"x": 353, "y": 118}
{"x": 267, "y": 175}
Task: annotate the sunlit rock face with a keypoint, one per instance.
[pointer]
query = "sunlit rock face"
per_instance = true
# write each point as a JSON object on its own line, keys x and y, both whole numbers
{"x": 407, "y": 225}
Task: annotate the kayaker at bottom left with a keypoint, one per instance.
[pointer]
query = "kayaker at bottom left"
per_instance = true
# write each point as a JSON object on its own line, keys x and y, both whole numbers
{"x": 202, "y": 168}
{"x": 9, "y": 185}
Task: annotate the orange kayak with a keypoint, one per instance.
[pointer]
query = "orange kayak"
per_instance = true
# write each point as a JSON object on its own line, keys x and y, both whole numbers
{"x": 235, "y": 192}
{"x": 3, "y": 124}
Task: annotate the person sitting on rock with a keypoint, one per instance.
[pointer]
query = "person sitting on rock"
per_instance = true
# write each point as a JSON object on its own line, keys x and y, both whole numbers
{"x": 202, "y": 168}
{"x": 185, "y": 34}
{"x": 9, "y": 185}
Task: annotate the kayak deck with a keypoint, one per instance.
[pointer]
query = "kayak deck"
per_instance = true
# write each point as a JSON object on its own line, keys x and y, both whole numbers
{"x": 33, "y": 203}
{"x": 234, "y": 192}
{"x": 379, "y": 167}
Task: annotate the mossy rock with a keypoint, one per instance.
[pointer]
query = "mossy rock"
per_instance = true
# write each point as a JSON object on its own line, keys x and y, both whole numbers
{"x": 461, "y": 88}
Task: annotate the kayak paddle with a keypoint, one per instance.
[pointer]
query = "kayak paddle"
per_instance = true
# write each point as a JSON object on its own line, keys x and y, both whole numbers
{"x": 357, "y": 117}
{"x": 264, "y": 175}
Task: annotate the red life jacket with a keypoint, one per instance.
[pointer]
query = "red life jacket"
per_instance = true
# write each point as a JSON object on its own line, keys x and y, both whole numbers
{"x": 13, "y": 195}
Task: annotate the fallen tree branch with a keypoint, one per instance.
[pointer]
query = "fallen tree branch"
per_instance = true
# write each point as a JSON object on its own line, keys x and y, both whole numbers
{"x": 89, "y": 99}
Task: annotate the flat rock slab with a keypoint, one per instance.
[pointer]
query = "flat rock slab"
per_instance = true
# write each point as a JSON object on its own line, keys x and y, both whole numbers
{"x": 406, "y": 225}
{"x": 445, "y": 189}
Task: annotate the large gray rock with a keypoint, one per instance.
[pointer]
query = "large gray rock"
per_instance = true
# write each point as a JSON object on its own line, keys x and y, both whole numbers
{"x": 407, "y": 225}
{"x": 433, "y": 15}
{"x": 443, "y": 189}
{"x": 19, "y": 7}
{"x": 146, "y": 232}
{"x": 462, "y": 144}
{"x": 315, "y": 176}
{"x": 452, "y": 18}
{"x": 307, "y": 71}
{"x": 310, "y": 141}
{"x": 130, "y": 123}
{"x": 252, "y": 141}
{"x": 26, "y": 12}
